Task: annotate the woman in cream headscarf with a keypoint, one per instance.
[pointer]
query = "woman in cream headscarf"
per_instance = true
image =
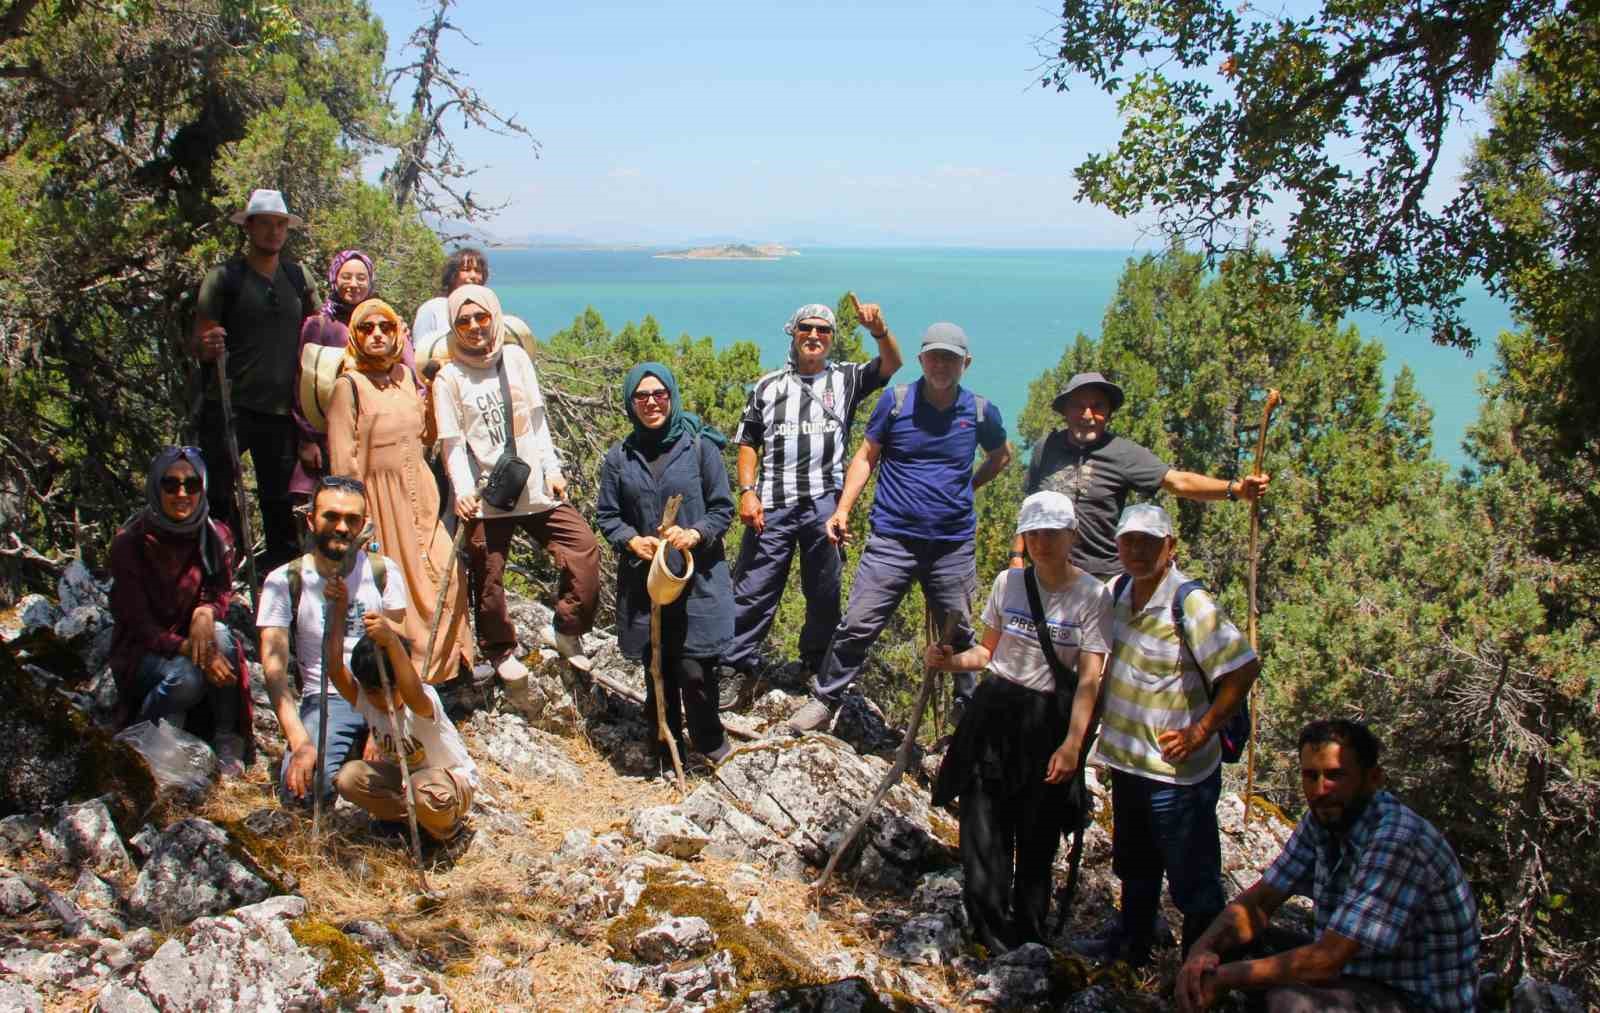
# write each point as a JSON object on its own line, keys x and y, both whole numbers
{"x": 376, "y": 432}
{"x": 470, "y": 398}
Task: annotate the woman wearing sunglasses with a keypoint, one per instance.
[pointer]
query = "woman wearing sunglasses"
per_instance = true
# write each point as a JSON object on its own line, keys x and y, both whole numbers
{"x": 671, "y": 452}
{"x": 172, "y": 585}
{"x": 487, "y": 384}
{"x": 378, "y": 425}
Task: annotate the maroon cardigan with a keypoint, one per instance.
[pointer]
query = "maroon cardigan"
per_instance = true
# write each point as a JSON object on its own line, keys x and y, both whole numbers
{"x": 157, "y": 583}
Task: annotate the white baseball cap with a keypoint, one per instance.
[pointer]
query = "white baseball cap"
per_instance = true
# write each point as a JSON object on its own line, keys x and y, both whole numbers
{"x": 1047, "y": 510}
{"x": 266, "y": 202}
{"x": 1145, "y": 518}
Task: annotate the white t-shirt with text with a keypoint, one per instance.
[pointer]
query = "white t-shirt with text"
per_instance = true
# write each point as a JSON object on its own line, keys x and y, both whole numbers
{"x": 1079, "y": 618}
{"x": 470, "y": 412}
{"x": 429, "y": 742}
{"x": 364, "y": 598}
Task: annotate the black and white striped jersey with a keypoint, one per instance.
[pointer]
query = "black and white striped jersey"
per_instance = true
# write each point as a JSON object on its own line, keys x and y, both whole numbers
{"x": 801, "y": 425}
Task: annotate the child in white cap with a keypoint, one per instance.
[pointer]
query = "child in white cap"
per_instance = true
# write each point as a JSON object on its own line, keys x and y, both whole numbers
{"x": 1017, "y": 759}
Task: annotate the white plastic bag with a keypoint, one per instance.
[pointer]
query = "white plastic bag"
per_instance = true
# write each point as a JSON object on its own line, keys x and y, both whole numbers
{"x": 183, "y": 765}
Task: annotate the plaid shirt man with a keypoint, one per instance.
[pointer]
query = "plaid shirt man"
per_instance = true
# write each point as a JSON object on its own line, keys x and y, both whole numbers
{"x": 1393, "y": 885}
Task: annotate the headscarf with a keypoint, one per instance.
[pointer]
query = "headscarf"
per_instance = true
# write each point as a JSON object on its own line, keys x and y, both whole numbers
{"x": 679, "y": 422}
{"x": 336, "y": 307}
{"x": 488, "y": 300}
{"x": 809, "y": 311}
{"x": 357, "y": 357}
{"x": 195, "y": 524}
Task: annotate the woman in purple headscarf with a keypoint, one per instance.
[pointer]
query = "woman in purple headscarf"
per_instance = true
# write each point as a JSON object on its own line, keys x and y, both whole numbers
{"x": 351, "y": 281}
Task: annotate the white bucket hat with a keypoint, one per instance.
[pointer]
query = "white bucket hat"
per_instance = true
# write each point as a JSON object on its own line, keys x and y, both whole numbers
{"x": 1145, "y": 518}
{"x": 266, "y": 202}
{"x": 1047, "y": 511}
{"x": 664, "y": 586}
{"x": 319, "y": 370}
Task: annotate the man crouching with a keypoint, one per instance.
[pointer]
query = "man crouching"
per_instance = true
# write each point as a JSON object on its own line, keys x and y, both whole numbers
{"x": 410, "y": 716}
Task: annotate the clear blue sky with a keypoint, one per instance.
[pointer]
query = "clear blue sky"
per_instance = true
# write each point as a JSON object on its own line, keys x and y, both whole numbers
{"x": 815, "y": 123}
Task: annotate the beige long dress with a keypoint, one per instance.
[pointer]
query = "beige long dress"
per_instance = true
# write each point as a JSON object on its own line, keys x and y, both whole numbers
{"x": 376, "y": 436}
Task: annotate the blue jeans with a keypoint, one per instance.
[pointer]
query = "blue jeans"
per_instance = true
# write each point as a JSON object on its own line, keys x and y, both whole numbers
{"x": 764, "y": 559}
{"x": 948, "y": 573}
{"x": 347, "y": 732}
{"x": 1166, "y": 828}
{"x": 170, "y": 687}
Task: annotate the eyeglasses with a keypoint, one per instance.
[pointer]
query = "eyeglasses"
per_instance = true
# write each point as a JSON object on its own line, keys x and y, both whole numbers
{"x": 192, "y": 485}
{"x": 344, "y": 482}
{"x": 662, "y": 396}
{"x": 471, "y": 320}
{"x": 822, "y": 329}
{"x": 388, "y": 327}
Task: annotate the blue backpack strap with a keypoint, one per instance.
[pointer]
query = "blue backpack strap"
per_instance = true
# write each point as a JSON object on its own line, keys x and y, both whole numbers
{"x": 1118, "y": 586}
{"x": 1178, "y": 598}
{"x": 1235, "y": 733}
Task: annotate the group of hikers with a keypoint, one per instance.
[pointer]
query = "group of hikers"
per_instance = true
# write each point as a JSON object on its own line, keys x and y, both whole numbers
{"x": 1091, "y": 628}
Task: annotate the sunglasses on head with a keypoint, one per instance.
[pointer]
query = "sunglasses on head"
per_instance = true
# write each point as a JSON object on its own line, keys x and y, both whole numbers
{"x": 344, "y": 482}
{"x": 471, "y": 320}
{"x": 388, "y": 327}
{"x": 662, "y": 396}
{"x": 170, "y": 484}
{"x": 822, "y": 329}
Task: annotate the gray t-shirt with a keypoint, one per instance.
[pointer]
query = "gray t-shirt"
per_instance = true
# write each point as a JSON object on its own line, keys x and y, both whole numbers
{"x": 1098, "y": 478}
{"x": 1079, "y": 619}
{"x": 263, "y": 325}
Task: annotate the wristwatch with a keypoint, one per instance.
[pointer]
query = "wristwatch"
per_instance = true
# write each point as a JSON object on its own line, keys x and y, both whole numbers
{"x": 1231, "y": 494}
{"x": 747, "y": 488}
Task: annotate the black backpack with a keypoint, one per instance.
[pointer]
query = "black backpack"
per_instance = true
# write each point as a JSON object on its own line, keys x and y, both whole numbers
{"x": 233, "y": 270}
{"x": 1235, "y": 734}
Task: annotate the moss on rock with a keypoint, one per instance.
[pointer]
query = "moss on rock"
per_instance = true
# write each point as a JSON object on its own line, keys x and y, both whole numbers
{"x": 348, "y": 969}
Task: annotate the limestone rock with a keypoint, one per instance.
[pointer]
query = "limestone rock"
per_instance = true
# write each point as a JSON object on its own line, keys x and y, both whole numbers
{"x": 77, "y": 587}
{"x": 18, "y": 832}
{"x": 673, "y": 939}
{"x": 16, "y": 896}
{"x": 859, "y": 722}
{"x": 786, "y": 804}
{"x": 852, "y": 995}
{"x": 932, "y": 939}
{"x": 51, "y": 753}
{"x": 20, "y": 998}
{"x": 89, "y": 837}
{"x": 1017, "y": 978}
{"x": 192, "y": 872}
{"x": 87, "y": 629}
{"x": 667, "y": 831}
{"x": 35, "y": 611}
{"x": 527, "y": 752}
{"x": 92, "y": 893}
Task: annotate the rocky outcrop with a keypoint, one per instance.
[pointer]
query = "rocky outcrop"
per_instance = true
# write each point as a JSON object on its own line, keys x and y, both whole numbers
{"x": 193, "y": 870}
{"x": 269, "y": 955}
{"x": 786, "y": 804}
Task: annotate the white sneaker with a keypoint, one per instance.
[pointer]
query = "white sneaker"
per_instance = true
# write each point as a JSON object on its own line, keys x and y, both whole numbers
{"x": 570, "y": 646}
{"x": 511, "y": 670}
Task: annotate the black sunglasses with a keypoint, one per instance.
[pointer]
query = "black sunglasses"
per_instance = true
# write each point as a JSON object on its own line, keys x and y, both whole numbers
{"x": 170, "y": 484}
{"x": 822, "y": 329}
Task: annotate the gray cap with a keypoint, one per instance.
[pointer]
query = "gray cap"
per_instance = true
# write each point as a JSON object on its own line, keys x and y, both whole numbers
{"x": 1146, "y": 519}
{"x": 1083, "y": 380}
{"x": 945, "y": 337}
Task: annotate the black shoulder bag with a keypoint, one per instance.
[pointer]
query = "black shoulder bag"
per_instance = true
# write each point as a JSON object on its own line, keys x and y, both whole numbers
{"x": 1079, "y": 807}
{"x": 509, "y": 476}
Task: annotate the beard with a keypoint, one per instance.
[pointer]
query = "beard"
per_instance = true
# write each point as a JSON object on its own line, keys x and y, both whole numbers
{"x": 332, "y": 546}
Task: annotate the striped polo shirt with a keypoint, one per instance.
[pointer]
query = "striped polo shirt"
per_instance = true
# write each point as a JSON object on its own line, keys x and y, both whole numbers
{"x": 802, "y": 428}
{"x": 1152, "y": 685}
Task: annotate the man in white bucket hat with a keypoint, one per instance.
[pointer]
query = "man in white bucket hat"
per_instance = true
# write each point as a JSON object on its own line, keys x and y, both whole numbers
{"x": 251, "y": 307}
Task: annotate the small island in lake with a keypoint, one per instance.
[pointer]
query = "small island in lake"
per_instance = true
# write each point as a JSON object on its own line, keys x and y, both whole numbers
{"x": 732, "y": 251}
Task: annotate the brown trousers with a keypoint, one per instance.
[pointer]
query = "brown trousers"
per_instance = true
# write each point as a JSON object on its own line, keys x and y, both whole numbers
{"x": 564, "y": 534}
{"x": 442, "y": 797}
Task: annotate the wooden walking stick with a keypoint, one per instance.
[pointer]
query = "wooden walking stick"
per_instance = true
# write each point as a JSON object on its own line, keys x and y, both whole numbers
{"x": 902, "y": 756}
{"x": 346, "y": 563}
{"x": 240, "y": 502}
{"x": 1273, "y": 400}
{"x": 669, "y": 516}
{"x": 444, "y": 591}
{"x": 405, "y": 768}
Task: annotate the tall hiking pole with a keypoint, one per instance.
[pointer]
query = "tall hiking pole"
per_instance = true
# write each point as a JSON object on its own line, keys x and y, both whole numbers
{"x": 405, "y": 768}
{"x": 668, "y": 517}
{"x": 1273, "y": 400}
{"x": 902, "y": 756}
{"x": 346, "y": 562}
{"x": 240, "y": 503}
{"x": 444, "y": 591}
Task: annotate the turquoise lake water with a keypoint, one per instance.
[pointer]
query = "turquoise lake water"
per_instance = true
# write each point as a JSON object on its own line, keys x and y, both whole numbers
{"x": 1020, "y": 308}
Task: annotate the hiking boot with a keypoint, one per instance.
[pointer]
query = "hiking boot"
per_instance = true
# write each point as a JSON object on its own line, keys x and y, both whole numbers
{"x": 1111, "y": 947}
{"x": 570, "y": 646}
{"x": 735, "y": 690}
{"x": 815, "y": 714}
